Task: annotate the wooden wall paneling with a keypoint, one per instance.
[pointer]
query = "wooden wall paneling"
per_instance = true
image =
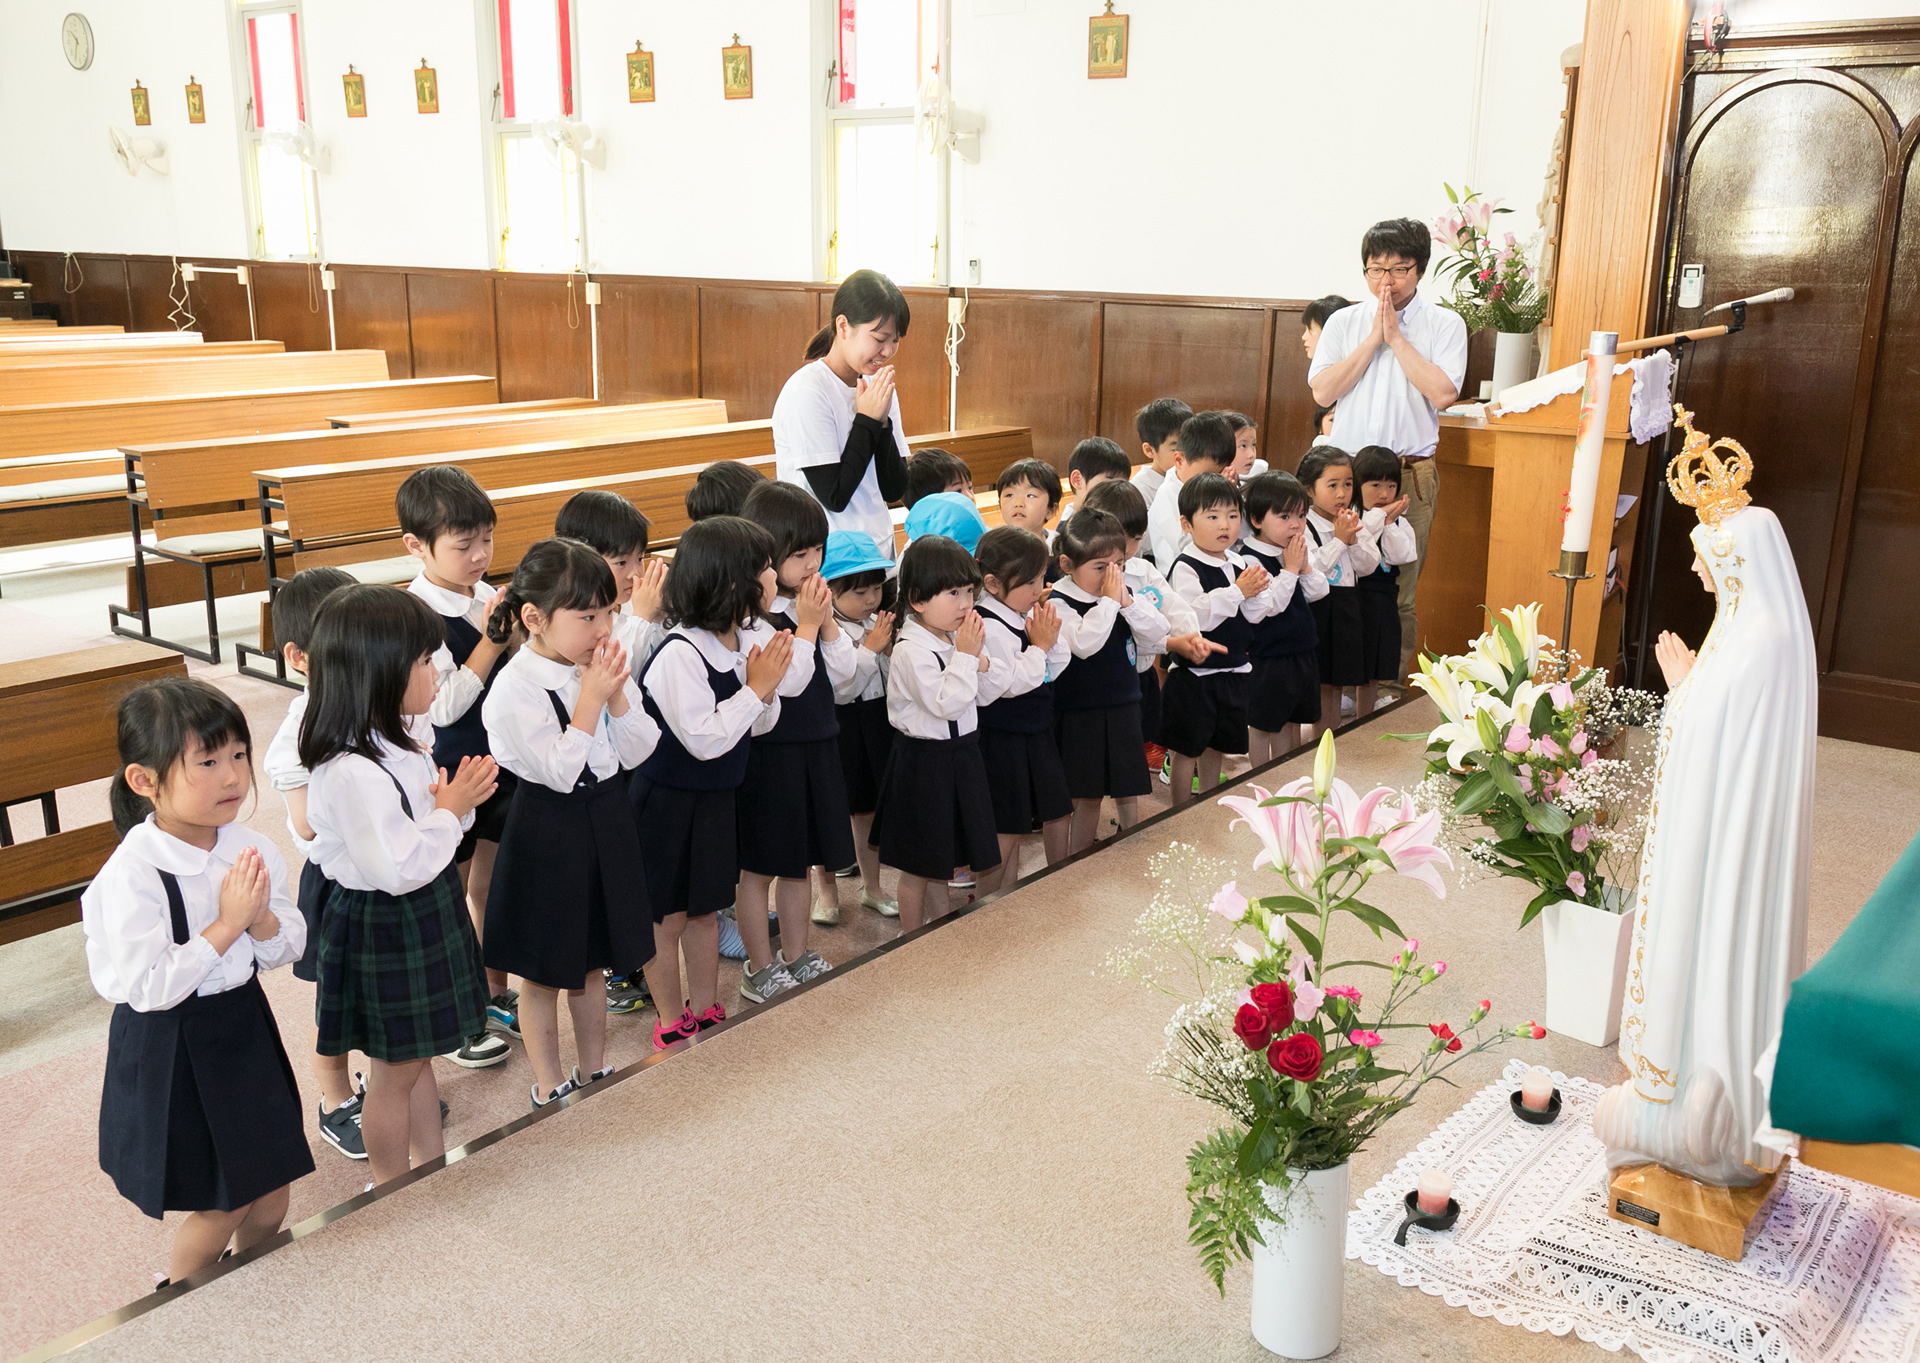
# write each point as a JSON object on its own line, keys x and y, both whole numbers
{"x": 1207, "y": 356}
{"x": 42, "y": 270}
{"x": 1453, "y": 587}
{"x": 288, "y": 302}
{"x": 450, "y": 321}
{"x": 752, "y": 338}
{"x": 544, "y": 337}
{"x": 648, "y": 340}
{"x": 1286, "y": 426}
{"x": 1030, "y": 360}
{"x": 149, "y": 284}
{"x": 370, "y": 313}
{"x": 1633, "y": 56}
{"x": 219, "y": 303}
{"x": 101, "y": 299}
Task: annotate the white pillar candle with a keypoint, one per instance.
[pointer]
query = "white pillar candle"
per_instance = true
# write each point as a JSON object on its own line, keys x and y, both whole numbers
{"x": 1536, "y": 1090}
{"x": 1433, "y": 1192}
{"x": 1590, "y": 441}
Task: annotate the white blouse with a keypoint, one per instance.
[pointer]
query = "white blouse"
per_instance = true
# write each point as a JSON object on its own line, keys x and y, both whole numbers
{"x": 1341, "y": 564}
{"x": 529, "y": 740}
{"x": 1216, "y": 607}
{"x": 868, "y": 681}
{"x": 707, "y": 728}
{"x": 1280, "y": 590}
{"x": 1016, "y": 670}
{"x": 1143, "y": 579}
{"x": 459, "y": 687}
{"x": 931, "y": 683}
{"x": 131, "y": 955}
{"x": 1087, "y": 634}
{"x": 639, "y": 636}
{"x": 1393, "y": 543}
{"x": 362, "y": 837}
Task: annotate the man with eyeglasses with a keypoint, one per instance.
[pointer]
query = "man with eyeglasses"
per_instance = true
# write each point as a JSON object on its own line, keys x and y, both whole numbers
{"x": 1388, "y": 372}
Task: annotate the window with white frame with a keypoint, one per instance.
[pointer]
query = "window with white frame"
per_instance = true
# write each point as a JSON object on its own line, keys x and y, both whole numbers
{"x": 286, "y": 198}
{"x": 538, "y": 181}
{"x": 887, "y": 190}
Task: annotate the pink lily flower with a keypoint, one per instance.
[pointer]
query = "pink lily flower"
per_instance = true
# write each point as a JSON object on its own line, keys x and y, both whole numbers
{"x": 1412, "y": 845}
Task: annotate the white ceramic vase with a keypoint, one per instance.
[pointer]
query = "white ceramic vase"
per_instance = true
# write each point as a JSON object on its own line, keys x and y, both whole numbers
{"x": 1512, "y": 360}
{"x": 1587, "y": 951}
{"x": 1298, "y": 1273}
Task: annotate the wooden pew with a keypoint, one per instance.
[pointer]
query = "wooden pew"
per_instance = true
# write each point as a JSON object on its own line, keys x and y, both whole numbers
{"x": 503, "y": 411}
{"x": 100, "y": 380}
{"x": 201, "y": 496}
{"x": 17, "y": 357}
{"x": 44, "y": 329}
{"x": 73, "y": 696}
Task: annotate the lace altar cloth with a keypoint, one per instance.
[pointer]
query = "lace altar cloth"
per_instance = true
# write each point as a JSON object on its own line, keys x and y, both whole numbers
{"x": 1834, "y": 1277}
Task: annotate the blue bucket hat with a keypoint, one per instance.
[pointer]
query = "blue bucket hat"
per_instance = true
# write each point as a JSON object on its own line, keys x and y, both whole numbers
{"x": 849, "y": 552}
{"x": 952, "y": 514}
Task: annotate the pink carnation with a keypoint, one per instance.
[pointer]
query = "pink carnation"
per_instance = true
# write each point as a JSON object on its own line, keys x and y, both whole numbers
{"x": 1413, "y": 945}
{"x": 1343, "y": 991}
{"x": 1439, "y": 967}
{"x": 1367, "y": 1039}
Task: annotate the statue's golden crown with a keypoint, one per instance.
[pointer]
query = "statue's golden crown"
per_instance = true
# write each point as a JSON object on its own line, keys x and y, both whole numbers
{"x": 1714, "y": 487}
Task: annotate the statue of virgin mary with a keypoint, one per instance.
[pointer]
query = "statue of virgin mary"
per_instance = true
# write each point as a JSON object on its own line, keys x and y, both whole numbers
{"x": 1722, "y": 902}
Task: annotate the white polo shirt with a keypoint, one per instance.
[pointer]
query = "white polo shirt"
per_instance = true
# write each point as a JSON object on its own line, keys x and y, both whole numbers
{"x": 1384, "y": 408}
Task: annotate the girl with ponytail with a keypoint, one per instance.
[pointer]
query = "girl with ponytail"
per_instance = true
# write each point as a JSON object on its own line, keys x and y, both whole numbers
{"x": 836, "y": 427}
{"x": 200, "y": 1112}
{"x": 568, "y": 902}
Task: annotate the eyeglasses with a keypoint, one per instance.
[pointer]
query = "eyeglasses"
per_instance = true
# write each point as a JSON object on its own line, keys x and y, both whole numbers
{"x": 1376, "y": 273}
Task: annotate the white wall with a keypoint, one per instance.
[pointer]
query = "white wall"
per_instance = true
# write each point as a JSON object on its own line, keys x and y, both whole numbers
{"x": 1249, "y": 144}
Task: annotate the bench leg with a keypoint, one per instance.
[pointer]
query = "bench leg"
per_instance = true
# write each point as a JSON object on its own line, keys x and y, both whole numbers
{"x": 243, "y": 652}
{"x": 144, "y": 614}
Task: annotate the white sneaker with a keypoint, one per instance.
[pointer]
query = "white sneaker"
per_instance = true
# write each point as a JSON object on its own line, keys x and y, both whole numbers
{"x": 826, "y": 911}
{"x": 886, "y": 908}
{"x": 757, "y": 986}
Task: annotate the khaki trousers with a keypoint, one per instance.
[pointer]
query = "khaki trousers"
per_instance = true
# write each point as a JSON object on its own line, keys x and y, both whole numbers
{"x": 1421, "y": 482}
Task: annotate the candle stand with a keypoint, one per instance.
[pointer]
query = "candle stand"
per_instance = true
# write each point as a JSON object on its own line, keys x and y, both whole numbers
{"x": 1572, "y": 571}
{"x": 1426, "y": 1221}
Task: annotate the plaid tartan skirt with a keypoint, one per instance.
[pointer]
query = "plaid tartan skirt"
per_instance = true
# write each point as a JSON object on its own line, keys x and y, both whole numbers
{"x": 400, "y": 975}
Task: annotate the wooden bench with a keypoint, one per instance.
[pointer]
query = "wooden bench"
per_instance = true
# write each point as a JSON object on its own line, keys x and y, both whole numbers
{"x": 18, "y": 357}
{"x": 74, "y": 696}
{"x": 202, "y": 496}
{"x": 503, "y": 411}
{"x": 193, "y": 371}
{"x": 45, "y": 329}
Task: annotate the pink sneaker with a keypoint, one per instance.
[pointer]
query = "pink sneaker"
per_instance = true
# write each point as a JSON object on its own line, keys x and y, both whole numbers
{"x": 712, "y": 1017}
{"x": 682, "y": 1028}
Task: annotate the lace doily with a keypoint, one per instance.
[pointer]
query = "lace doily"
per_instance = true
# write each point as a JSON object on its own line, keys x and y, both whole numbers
{"x": 1833, "y": 1277}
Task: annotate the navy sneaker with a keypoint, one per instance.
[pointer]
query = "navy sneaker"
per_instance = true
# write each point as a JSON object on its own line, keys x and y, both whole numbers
{"x": 340, "y": 1128}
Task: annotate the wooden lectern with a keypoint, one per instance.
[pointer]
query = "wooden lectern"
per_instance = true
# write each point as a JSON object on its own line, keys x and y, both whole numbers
{"x": 1496, "y": 530}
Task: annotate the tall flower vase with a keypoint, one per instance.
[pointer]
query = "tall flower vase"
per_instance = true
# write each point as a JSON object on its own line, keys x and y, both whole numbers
{"x": 1587, "y": 951}
{"x": 1512, "y": 360}
{"x": 1297, "y": 1274}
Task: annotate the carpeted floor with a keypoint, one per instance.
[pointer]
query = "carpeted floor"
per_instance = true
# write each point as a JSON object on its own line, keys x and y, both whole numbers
{"x": 952, "y": 1151}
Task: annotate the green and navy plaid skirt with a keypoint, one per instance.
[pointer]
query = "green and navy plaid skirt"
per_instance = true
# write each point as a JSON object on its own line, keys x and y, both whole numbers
{"x": 400, "y": 975}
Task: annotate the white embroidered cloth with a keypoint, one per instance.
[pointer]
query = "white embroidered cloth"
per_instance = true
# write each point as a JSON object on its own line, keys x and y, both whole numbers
{"x": 1650, "y": 405}
{"x": 1834, "y": 1277}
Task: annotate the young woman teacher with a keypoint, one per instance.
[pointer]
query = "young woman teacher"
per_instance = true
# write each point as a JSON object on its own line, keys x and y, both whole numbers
{"x": 836, "y": 426}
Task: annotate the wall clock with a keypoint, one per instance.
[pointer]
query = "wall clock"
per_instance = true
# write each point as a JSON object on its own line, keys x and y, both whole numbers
{"x": 76, "y": 39}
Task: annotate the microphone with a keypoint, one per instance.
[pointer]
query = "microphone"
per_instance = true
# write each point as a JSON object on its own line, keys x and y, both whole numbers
{"x": 1770, "y": 296}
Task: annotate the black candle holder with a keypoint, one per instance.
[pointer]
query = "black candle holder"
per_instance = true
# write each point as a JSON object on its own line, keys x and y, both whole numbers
{"x": 1527, "y": 1114}
{"x": 1425, "y": 1220}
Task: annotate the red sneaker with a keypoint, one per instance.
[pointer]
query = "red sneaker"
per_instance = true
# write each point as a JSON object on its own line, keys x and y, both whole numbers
{"x": 1156, "y": 756}
{"x": 682, "y": 1028}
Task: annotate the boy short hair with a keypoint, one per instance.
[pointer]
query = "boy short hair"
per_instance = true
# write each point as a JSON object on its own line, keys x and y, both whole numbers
{"x": 1407, "y": 237}
{"x": 790, "y": 514}
{"x": 1088, "y": 534}
{"x": 933, "y": 564}
{"x": 1012, "y": 553}
{"x": 1207, "y": 438}
{"x": 1098, "y": 457}
{"x": 1317, "y": 461}
{"x": 1316, "y": 313}
{"x": 1272, "y": 492}
{"x": 934, "y": 470}
{"x": 1376, "y": 464}
{"x": 1204, "y": 491}
{"x": 1036, "y": 473}
{"x": 442, "y": 499}
{"x": 604, "y": 521}
{"x": 1159, "y": 419}
{"x": 721, "y": 489}
{"x": 297, "y": 600}
{"x": 1121, "y": 500}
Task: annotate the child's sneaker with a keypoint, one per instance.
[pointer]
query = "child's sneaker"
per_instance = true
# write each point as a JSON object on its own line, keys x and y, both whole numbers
{"x": 731, "y": 947}
{"x": 757, "y": 986}
{"x": 340, "y": 1128}
{"x": 826, "y": 912}
{"x": 503, "y": 1013}
{"x": 1155, "y": 756}
{"x": 566, "y": 1086}
{"x": 681, "y": 1028}
{"x": 886, "y": 908}
{"x": 713, "y": 1017}
{"x": 626, "y": 993}
{"x": 1166, "y": 770}
{"x": 809, "y": 966}
{"x": 481, "y": 1052}
{"x": 594, "y": 1078}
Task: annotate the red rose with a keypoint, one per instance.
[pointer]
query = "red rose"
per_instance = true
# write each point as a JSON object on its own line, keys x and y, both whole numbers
{"x": 1276, "y": 1001}
{"x": 1441, "y": 1029}
{"x": 1250, "y": 1025}
{"x": 1297, "y": 1056}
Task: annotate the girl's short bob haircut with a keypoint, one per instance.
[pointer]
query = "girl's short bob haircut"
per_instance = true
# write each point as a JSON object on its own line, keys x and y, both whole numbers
{"x": 1121, "y": 500}
{"x": 1377, "y": 464}
{"x": 1205, "y": 491}
{"x": 790, "y": 514}
{"x": 554, "y": 575}
{"x": 604, "y": 521}
{"x": 1013, "y": 554}
{"x": 863, "y": 296}
{"x": 161, "y": 724}
{"x": 1090, "y": 534}
{"x": 366, "y": 640}
{"x": 714, "y": 583}
{"x": 1316, "y": 461}
{"x": 1273, "y": 492}
{"x": 933, "y": 564}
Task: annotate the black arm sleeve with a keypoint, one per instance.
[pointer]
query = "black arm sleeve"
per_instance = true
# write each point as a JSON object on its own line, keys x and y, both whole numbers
{"x": 868, "y": 441}
{"x": 889, "y": 469}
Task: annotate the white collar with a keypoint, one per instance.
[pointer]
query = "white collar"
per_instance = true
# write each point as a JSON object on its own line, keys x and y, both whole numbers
{"x": 1073, "y": 592}
{"x": 782, "y": 605}
{"x": 1414, "y": 304}
{"x": 709, "y": 646}
{"x": 1211, "y": 560}
{"x": 544, "y": 672}
{"x": 1313, "y": 515}
{"x": 913, "y": 630}
{"x": 442, "y": 600}
{"x": 168, "y": 853}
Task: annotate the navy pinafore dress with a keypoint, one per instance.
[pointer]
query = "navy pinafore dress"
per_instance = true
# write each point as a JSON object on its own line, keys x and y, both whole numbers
{"x": 793, "y": 801}
{"x": 1025, "y": 776}
{"x": 1096, "y": 707}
